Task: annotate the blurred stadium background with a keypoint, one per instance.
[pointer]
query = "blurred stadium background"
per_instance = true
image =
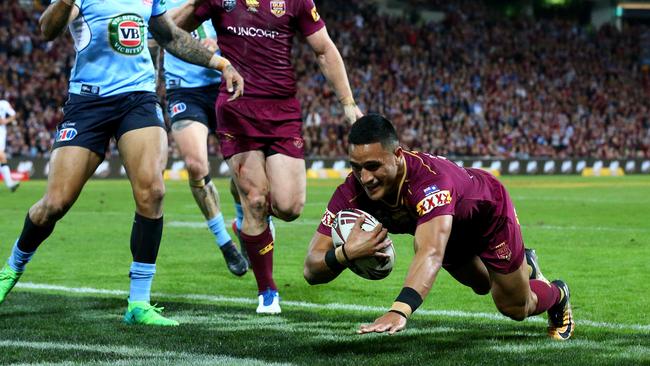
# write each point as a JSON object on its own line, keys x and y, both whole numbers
{"x": 535, "y": 79}
{"x": 544, "y": 87}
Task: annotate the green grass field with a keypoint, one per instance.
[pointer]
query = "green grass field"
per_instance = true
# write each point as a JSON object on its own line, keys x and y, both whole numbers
{"x": 593, "y": 233}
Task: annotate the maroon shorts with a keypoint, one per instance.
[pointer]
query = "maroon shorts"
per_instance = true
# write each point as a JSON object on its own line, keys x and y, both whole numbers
{"x": 266, "y": 124}
{"x": 500, "y": 245}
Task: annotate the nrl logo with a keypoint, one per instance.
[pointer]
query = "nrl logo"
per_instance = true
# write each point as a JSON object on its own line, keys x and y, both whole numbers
{"x": 252, "y": 5}
{"x": 278, "y": 8}
{"x": 229, "y": 5}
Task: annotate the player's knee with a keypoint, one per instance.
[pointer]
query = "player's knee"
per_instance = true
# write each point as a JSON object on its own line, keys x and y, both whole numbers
{"x": 288, "y": 210}
{"x": 53, "y": 208}
{"x": 481, "y": 290}
{"x": 196, "y": 168}
{"x": 257, "y": 202}
{"x": 516, "y": 312}
{"x": 150, "y": 195}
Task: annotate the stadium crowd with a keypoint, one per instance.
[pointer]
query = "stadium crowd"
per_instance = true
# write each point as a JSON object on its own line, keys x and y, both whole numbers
{"x": 473, "y": 85}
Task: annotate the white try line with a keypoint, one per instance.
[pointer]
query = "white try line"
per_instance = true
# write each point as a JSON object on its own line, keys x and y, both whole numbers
{"x": 138, "y": 353}
{"x": 309, "y": 305}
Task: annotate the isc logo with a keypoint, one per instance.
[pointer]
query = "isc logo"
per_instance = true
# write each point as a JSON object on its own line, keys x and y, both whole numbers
{"x": 126, "y": 34}
{"x": 66, "y": 134}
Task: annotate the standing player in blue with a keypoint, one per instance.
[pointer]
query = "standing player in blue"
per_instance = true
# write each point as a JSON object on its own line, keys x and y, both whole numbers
{"x": 191, "y": 93}
{"x": 112, "y": 94}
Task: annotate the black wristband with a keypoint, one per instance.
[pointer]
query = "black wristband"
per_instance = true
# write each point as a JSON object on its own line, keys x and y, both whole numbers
{"x": 410, "y": 297}
{"x": 345, "y": 254}
{"x": 398, "y": 312}
{"x": 332, "y": 262}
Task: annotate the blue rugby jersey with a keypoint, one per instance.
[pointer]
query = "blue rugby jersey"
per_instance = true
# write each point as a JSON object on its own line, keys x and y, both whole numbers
{"x": 110, "y": 39}
{"x": 180, "y": 74}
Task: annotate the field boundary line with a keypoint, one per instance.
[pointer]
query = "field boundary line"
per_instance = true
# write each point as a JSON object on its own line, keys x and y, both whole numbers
{"x": 329, "y": 306}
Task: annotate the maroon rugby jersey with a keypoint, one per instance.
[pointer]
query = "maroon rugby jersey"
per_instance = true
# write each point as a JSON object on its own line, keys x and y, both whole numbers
{"x": 257, "y": 36}
{"x": 432, "y": 186}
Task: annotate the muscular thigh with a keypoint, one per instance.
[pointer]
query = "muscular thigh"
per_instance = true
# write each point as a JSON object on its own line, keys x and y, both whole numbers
{"x": 287, "y": 179}
{"x": 511, "y": 289}
{"x": 191, "y": 138}
{"x": 471, "y": 273}
{"x": 249, "y": 172}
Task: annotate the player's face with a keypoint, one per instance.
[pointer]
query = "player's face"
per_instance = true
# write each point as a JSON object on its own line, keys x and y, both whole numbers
{"x": 375, "y": 168}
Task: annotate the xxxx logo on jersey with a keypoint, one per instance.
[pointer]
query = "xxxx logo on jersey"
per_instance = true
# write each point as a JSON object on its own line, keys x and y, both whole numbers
{"x": 126, "y": 34}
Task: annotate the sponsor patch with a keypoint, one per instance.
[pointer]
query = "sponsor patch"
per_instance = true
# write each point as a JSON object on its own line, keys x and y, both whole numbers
{"x": 278, "y": 8}
{"x": 428, "y": 203}
{"x": 66, "y": 134}
{"x": 298, "y": 142}
{"x": 229, "y": 5}
{"x": 430, "y": 190}
{"x": 177, "y": 108}
{"x": 328, "y": 218}
{"x": 252, "y": 5}
{"x": 503, "y": 252}
{"x": 314, "y": 14}
{"x": 126, "y": 34}
{"x": 89, "y": 89}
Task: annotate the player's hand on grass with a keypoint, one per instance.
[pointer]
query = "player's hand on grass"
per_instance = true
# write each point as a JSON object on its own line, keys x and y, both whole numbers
{"x": 389, "y": 322}
{"x": 234, "y": 82}
{"x": 362, "y": 243}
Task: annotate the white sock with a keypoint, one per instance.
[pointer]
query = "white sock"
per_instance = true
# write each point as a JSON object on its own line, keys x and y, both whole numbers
{"x": 6, "y": 175}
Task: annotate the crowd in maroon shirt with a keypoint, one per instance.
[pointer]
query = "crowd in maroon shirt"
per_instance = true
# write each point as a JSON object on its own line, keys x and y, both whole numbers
{"x": 473, "y": 85}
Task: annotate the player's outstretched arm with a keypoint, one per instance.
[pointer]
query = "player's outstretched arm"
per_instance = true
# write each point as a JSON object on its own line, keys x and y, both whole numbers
{"x": 430, "y": 242}
{"x": 184, "y": 17}
{"x": 56, "y": 18}
{"x": 332, "y": 66}
{"x": 182, "y": 45}
{"x": 324, "y": 262}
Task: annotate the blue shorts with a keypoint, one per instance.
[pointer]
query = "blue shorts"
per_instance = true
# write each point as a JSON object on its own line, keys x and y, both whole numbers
{"x": 90, "y": 121}
{"x": 194, "y": 104}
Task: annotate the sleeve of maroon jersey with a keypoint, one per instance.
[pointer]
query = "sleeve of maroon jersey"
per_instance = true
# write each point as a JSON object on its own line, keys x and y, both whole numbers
{"x": 432, "y": 195}
{"x": 309, "y": 21}
{"x": 205, "y": 10}
{"x": 341, "y": 199}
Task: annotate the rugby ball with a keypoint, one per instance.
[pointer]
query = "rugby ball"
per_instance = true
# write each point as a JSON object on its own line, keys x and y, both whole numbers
{"x": 372, "y": 268}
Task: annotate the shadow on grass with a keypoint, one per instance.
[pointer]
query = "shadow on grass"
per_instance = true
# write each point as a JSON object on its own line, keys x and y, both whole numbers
{"x": 38, "y": 328}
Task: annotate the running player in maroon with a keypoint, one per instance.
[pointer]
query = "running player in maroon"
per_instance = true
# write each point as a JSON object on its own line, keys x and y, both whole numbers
{"x": 463, "y": 221}
{"x": 261, "y": 133}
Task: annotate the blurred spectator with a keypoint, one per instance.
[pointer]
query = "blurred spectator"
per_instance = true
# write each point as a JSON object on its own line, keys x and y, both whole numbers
{"x": 473, "y": 85}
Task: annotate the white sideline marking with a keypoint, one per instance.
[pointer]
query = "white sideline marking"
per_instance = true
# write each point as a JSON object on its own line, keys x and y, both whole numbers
{"x": 330, "y": 306}
{"x": 138, "y": 353}
{"x": 315, "y": 223}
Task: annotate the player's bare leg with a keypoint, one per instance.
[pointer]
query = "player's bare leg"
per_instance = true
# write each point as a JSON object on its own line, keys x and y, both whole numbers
{"x": 473, "y": 274}
{"x": 249, "y": 173}
{"x": 191, "y": 137}
{"x": 287, "y": 200}
{"x": 517, "y": 297}
{"x": 144, "y": 153}
{"x": 6, "y": 173}
{"x": 70, "y": 168}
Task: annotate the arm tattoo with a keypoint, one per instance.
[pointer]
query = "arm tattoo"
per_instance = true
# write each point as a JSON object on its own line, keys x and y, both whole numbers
{"x": 178, "y": 42}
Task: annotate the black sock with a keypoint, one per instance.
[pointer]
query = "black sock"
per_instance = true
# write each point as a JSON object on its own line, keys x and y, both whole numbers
{"x": 33, "y": 235}
{"x": 145, "y": 239}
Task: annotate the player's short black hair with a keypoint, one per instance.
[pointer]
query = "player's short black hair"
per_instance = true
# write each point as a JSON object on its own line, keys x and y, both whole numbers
{"x": 373, "y": 128}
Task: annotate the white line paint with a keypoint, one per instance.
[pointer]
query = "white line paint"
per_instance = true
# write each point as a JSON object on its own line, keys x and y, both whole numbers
{"x": 137, "y": 352}
{"x": 330, "y": 306}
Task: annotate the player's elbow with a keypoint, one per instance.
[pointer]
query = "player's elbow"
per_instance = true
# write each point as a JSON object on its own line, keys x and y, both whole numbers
{"x": 47, "y": 32}
{"x": 313, "y": 278}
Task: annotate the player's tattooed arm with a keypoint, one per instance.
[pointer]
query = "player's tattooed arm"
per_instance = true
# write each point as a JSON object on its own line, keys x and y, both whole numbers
{"x": 178, "y": 42}
{"x": 56, "y": 18}
{"x": 182, "y": 45}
